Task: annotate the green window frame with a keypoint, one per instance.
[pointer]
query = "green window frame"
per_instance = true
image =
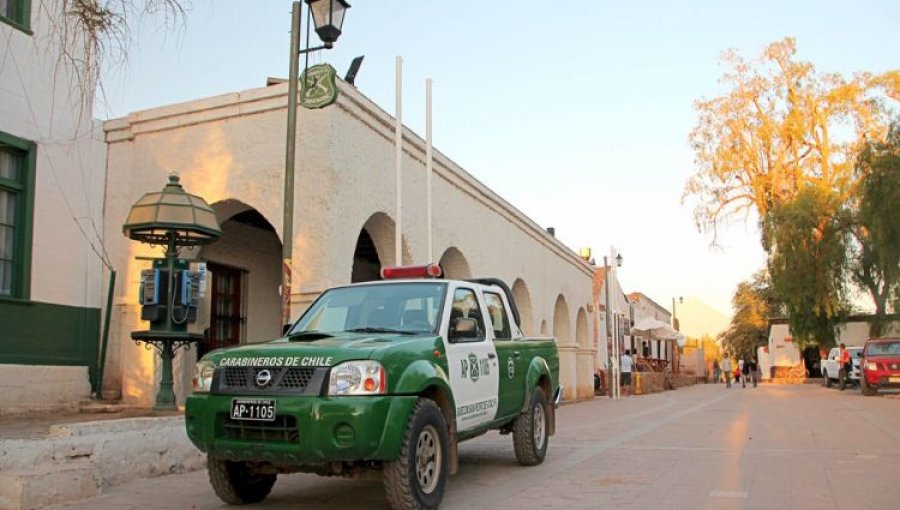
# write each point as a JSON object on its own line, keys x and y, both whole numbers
{"x": 17, "y": 201}
{"x": 16, "y": 13}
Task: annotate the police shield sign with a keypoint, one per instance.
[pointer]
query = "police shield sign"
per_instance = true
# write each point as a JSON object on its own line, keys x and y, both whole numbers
{"x": 318, "y": 88}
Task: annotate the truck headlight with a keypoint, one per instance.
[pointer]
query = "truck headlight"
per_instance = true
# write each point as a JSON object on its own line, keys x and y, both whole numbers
{"x": 203, "y": 376}
{"x": 357, "y": 378}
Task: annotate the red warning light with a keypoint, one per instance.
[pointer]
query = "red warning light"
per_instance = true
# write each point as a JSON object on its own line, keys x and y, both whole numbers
{"x": 398, "y": 272}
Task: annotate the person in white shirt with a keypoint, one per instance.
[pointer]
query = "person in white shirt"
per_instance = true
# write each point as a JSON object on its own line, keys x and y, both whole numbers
{"x": 626, "y": 364}
{"x": 726, "y": 369}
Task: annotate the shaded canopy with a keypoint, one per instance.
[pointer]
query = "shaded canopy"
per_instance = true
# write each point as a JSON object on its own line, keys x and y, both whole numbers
{"x": 654, "y": 328}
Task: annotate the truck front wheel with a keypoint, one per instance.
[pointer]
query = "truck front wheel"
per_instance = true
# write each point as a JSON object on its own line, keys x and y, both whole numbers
{"x": 530, "y": 431}
{"x": 864, "y": 386}
{"x": 416, "y": 480}
{"x": 236, "y": 483}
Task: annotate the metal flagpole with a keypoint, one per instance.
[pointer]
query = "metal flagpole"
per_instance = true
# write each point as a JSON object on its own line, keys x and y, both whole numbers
{"x": 428, "y": 170}
{"x": 398, "y": 142}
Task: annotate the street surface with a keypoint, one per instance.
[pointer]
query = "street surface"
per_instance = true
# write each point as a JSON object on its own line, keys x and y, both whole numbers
{"x": 702, "y": 447}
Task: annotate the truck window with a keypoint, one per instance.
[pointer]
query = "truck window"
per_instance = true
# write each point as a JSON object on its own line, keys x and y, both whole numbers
{"x": 410, "y": 307}
{"x": 497, "y": 314}
{"x": 466, "y": 305}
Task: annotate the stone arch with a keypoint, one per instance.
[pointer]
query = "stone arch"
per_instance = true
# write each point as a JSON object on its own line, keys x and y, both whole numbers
{"x": 523, "y": 303}
{"x": 375, "y": 247}
{"x": 246, "y": 275}
{"x": 581, "y": 329}
{"x": 455, "y": 265}
{"x": 562, "y": 330}
{"x": 543, "y": 327}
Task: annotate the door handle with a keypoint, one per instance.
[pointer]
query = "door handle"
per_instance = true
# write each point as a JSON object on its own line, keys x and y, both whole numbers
{"x": 492, "y": 355}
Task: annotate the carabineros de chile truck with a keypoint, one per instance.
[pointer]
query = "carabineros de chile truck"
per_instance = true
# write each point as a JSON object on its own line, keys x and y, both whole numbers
{"x": 388, "y": 375}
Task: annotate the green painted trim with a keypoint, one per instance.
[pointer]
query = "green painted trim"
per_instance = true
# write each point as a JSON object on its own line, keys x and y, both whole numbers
{"x": 49, "y": 334}
{"x": 23, "y": 24}
{"x": 25, "y": 186}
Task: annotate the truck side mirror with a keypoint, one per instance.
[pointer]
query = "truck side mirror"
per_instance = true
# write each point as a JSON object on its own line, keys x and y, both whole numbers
{"x": 463, "y": 327}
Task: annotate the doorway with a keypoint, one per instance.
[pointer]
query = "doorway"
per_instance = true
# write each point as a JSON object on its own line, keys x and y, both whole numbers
{"x": 228, "y": 316}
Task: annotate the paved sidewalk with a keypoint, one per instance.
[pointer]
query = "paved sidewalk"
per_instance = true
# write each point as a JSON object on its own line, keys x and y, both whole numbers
{"x": 702, "y": 447}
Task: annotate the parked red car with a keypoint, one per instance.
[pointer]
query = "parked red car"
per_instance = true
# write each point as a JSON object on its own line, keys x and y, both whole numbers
{"x": 880, "y": 365}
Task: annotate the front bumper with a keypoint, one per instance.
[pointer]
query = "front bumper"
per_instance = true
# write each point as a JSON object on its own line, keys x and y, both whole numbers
{"x": 882, "y": 379}
{"x": 309, "y": 429}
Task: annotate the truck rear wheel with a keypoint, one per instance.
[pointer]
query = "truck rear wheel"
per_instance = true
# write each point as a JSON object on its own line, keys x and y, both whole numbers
{"x": 236, "y": 483}
{"x": 530, "y": 430}
{"x": 416, "y": 480}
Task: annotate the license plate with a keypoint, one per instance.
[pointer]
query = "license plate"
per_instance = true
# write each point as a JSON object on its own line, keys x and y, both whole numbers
{"x": 253, "y": 409}
{"x": 894, "y": 379}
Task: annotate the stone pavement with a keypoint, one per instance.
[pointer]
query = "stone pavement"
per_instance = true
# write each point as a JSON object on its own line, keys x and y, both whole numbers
{"x": 702, "y": 447}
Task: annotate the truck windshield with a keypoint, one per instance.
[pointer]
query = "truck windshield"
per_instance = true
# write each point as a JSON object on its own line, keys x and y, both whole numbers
{"x": 404, "y": 308}
{"x": 883, "y": 349}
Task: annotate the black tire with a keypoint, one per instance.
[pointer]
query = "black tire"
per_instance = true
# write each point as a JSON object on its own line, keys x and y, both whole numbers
{"x": 530, "y": 431}
{"x": 235, "y": 482}
{"x": 865, "y": 388}
{"x": 827, "y": 379}
{"x": 842, "y": 379}
{"x": 408, "y": 485}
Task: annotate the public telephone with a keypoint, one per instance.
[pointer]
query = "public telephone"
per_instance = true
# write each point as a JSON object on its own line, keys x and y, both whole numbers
{"x": 152, "y": 285}
{"x": 186, "y": 288}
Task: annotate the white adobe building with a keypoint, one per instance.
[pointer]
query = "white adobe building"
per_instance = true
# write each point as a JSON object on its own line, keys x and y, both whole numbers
{"x": 52, "y": 165}
{"x": 229, "y": 149}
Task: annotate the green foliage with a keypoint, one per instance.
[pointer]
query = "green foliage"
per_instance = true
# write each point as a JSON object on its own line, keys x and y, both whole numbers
{"x": 808, "y": 263}
{"x": 875, "y": 263}
{"x": 754, "y": 304}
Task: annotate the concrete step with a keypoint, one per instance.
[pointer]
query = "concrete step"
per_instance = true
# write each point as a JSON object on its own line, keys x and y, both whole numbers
{"x": 33, "y": 488}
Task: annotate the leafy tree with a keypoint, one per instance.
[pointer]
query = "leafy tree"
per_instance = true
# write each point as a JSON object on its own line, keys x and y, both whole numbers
{"x": 807, "y": 261}
{"x": 754, "y": 304}
{"x": 875, "y": 263}
{"x": 780, "y": 128}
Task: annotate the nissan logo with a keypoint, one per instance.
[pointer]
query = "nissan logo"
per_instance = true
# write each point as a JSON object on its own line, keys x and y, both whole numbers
{"x": 263, "y": 378}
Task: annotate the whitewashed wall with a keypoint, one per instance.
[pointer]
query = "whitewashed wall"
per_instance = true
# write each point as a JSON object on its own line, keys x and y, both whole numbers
{"x": 231, "y": 147}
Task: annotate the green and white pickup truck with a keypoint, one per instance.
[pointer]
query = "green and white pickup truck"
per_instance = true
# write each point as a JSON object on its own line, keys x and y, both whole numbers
{"x": 386, "y": 375}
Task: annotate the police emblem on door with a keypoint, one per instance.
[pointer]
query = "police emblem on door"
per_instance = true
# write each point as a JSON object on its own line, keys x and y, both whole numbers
{"x": 473, "y": 367}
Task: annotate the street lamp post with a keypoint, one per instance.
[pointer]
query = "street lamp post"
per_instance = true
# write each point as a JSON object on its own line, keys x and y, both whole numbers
{"x": 328, "y": 17}
{"x": 674, "y": 316}
{"x": 612, "y": 338}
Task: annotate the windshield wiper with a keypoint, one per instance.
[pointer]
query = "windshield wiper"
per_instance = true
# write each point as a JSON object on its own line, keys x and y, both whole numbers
{"x": 370, "y": 329}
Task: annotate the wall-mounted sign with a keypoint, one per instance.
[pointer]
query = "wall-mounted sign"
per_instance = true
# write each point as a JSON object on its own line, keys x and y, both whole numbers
{"x": 318, "y": 88}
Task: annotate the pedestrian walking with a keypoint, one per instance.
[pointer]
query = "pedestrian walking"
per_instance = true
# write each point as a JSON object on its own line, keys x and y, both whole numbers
{"x": 726, "y": 370}
{"x": 717, "y": 372}
{"x": 745, "y": 372}
{"x": 626, "y": 364}
{"x": 754, "y": 370}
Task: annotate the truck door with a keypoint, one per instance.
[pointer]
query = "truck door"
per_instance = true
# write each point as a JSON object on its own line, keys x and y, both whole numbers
{"x": 510, "y": 355}
{"x": 472, "y": 363}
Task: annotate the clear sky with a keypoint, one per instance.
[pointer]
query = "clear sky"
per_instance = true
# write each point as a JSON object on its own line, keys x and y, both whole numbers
{"x": 577, "y": 113}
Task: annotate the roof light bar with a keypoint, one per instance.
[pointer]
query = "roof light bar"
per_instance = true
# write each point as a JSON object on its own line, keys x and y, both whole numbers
{"x": 398, "y": 272}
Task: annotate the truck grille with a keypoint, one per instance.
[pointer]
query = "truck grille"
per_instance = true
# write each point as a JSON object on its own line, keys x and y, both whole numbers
{"x": 243, "y": 379}
{"x": 282, "y": 430}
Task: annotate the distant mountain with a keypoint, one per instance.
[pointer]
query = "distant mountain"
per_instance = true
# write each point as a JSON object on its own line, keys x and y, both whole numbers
{"x": 698, "y": 318}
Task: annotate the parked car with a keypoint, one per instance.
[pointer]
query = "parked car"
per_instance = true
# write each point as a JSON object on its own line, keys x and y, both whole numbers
{"x": 832, "y": 371}
{"x": 881, "y": 365}
{"x": 386, "y": 376}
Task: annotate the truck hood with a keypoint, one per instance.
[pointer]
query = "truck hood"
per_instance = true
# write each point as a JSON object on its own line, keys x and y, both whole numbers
{"x": 323, "y": 352}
